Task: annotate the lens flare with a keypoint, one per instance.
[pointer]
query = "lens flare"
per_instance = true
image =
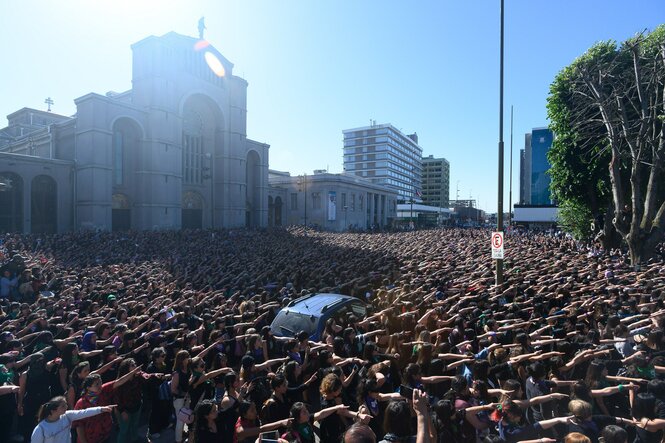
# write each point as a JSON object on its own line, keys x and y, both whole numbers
{"x": 201, "y": 44}
{"x": 214, "y": 64}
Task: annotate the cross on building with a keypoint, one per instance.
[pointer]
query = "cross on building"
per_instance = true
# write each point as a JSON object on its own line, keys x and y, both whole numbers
{"x": 49, "y": 101}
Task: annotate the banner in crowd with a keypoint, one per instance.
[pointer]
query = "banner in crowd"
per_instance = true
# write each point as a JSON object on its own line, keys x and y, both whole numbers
{"x": 332, "y": 205}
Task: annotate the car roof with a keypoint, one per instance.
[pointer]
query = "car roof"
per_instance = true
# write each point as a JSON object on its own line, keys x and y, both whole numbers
{"x": 314, "y": 304}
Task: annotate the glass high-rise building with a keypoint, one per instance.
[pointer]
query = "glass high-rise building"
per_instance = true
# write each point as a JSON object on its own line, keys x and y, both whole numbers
{"x": 384, "y": 155}
{"x": 534, "y": 180}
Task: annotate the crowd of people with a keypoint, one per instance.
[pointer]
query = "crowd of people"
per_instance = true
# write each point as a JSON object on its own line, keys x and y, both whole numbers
{"x": 102, "y": 333}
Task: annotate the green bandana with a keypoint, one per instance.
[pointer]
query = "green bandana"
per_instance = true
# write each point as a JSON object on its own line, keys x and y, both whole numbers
{"x": 5, "y": 375}
{"x": 305, "y": 430}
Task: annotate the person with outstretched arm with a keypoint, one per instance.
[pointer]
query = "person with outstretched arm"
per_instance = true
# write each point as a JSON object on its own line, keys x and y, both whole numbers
{"x": 55, "y": 421}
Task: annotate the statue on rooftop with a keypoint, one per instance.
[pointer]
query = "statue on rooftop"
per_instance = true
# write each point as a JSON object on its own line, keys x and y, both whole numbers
{"x": 202, "y": 27}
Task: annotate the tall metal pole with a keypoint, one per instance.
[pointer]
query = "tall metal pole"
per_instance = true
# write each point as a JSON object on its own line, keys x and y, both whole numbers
{"x": 510, "y": 191}
{"x": 499, "y": 219}
{"x": 305, "y": 188}
{"x": 212, "y": 190}
{"x": 413, "y": 192}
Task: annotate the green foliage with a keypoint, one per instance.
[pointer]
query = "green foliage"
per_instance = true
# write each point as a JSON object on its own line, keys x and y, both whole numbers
{"x": 606, "y": 110}
{"x": 576, "y": 219}
{"x": 579, "y": 155}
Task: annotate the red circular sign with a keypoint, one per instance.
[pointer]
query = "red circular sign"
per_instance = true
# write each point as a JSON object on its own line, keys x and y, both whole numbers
{"x": 497, "y": 241}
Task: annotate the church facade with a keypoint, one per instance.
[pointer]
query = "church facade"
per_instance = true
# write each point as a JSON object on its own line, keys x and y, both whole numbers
{"x": 171, "y": 153}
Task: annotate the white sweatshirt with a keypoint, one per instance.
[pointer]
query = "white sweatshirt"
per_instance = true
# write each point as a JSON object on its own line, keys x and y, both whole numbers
{"x": 59, "y": 431}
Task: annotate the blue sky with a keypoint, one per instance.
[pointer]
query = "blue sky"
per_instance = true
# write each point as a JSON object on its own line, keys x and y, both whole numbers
{"x": 317, "y": 67}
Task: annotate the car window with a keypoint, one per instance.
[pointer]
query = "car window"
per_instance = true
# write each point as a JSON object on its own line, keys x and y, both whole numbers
{"x": 358, "y": 310}
{"x": 290, "y": 324}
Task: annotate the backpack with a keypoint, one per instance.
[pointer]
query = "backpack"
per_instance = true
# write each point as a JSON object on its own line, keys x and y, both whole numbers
{"x": 164, "y": 391}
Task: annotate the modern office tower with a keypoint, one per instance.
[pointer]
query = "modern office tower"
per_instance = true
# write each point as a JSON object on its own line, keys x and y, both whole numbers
{"x": 525, "y": 171}
{"x": 384, "y": 155}
{"x": 534, "y": 180}
{"x": 436, "y": 182}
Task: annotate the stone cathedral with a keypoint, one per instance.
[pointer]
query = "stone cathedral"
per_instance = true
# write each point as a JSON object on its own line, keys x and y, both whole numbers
{"x": 171, "y": 153}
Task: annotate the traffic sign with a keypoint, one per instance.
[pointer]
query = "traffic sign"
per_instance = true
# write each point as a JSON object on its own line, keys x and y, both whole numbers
{"x": 497, "y": 245}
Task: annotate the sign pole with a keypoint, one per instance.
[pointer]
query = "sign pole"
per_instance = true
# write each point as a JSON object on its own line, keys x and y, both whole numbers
{"x": 499, "y": 218}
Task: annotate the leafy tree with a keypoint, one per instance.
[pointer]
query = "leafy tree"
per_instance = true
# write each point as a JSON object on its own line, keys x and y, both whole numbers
{"x": 576, "y": 219}
{"x": 607, "y": 111}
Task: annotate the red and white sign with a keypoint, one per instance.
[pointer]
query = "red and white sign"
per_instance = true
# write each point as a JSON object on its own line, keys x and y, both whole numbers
{"x": 497, "y": 245}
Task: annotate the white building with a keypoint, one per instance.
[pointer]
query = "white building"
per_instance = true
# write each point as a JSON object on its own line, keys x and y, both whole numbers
{"x": 385, "y": 156}
{"x": 334, "y": 202}
{"x": 170, "y": 153}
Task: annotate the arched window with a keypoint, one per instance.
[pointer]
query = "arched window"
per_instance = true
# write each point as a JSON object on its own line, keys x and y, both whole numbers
{"x": 192, "y": 210}
{"x": 192, "y": 148}
{"x": 278, "y": 211}
{"x": 118, "y": 160}
{"x": 44, "y": 205}
{"x": 252, "y": 177}
{"x": 125, "y": 150}
{"x": 11, "y": 202}
{"x": 121, "y": 216}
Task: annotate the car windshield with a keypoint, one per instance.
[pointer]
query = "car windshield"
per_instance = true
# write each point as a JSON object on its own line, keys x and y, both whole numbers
{"x": 291, "y": 323}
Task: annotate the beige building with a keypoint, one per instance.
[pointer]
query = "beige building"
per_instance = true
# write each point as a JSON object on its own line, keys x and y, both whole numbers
{"x": 170, "y": 153}
{"x": 333, "y": 202}
{"x": 436, "y": 182}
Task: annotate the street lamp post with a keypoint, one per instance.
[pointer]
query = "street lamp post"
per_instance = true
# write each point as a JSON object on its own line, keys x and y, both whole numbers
{"x": 499, "y": 218}
{"x": 302, "y": 187}
{"x": 510, "y": 174}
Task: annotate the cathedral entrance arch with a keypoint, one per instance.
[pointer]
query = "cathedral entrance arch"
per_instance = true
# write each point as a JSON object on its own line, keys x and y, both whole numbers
{"x": 192, "y": 210}
{"x": 121, "y": 216}
{"x": 11, "y": 202}
{"x": 252, "y": 177}
{"x": 278, "y": 211}
{"x": 203, "y": 128}
{"x": 44, "y": 205}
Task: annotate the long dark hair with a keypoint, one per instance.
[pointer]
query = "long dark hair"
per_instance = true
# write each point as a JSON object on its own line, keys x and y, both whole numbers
{"x": 444, "y": 418}
{"x": 397, "y": 419}
{"x": 200, "y": 417}
{"x": 50, "y": 406}
{"x": 644, "y": 406}
{"x": 75, "y": 380}
{"x": 68, "y": 356}
{"x": 594, "y": 373}
{"x": 295, "y": 411}
{"x": 179, "y": 358}
{"x": 124, "y": 367}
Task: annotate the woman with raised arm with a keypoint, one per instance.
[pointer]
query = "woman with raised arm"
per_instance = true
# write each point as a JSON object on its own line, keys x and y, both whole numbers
{"x": 228, "y": 408}
{"x": 200, "y": 386}
{"x": 55, "y": 420}
{"x": 180, "y": 388}
{"x": 95, "y": 393}
{"x": 302, "y": 427}
{"x": 35, "y": 390}
{"x": 247, "y": 428}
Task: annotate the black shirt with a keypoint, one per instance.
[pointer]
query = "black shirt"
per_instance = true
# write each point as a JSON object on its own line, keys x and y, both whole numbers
{"x": 332, "y": 427}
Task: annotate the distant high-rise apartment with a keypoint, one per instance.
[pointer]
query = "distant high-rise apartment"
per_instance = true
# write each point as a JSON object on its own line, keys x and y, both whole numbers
{"x": 534, "y": 180}
{"x": 384, "y": 155}
{"x": 436, "y": 181}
